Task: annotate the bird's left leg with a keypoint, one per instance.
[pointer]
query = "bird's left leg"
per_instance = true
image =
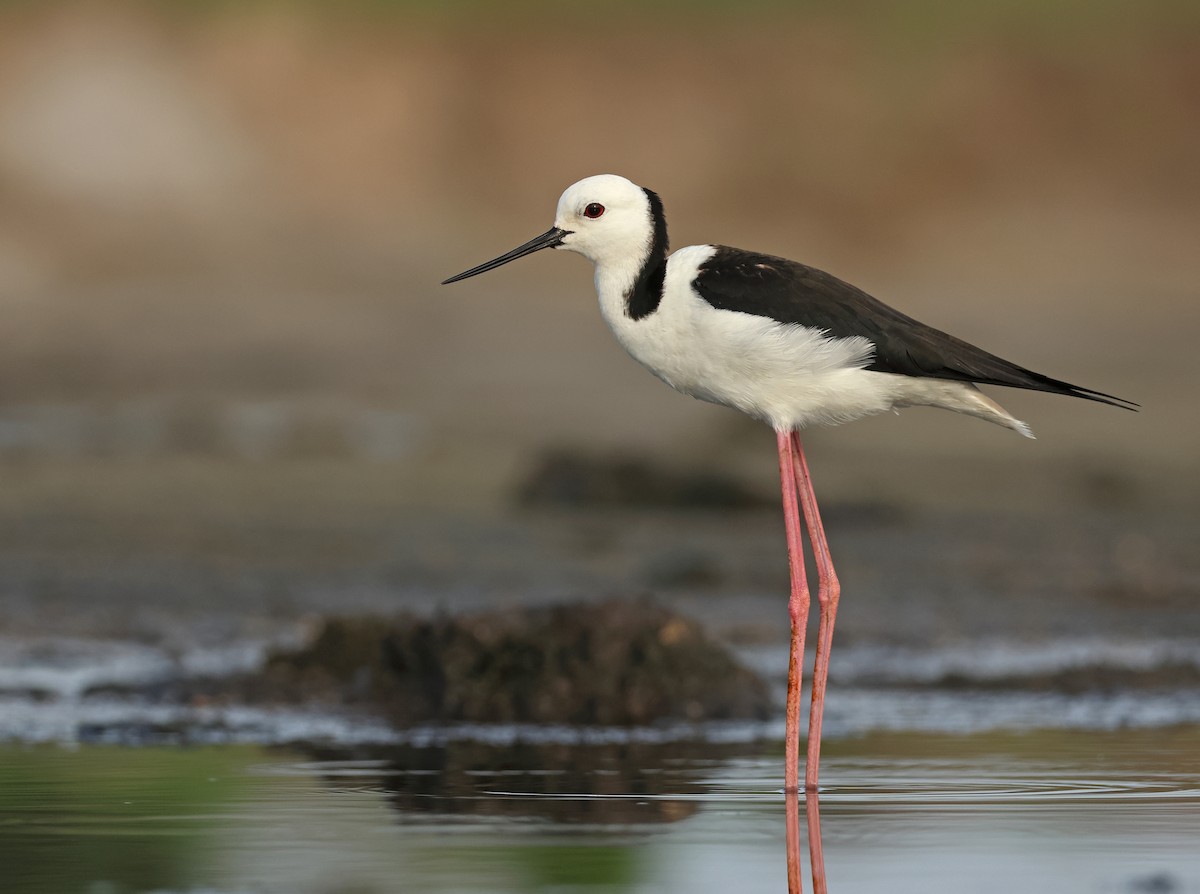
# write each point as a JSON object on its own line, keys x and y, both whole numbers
{"x": 828, "y": 592}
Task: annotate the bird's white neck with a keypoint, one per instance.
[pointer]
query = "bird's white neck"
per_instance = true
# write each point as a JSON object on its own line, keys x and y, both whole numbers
{"x": 614, "y": 281}
{"x": 620, "y": 284}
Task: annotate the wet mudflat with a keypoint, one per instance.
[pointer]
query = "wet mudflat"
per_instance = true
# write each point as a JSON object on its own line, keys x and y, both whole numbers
{"x": 1054, "y": 812}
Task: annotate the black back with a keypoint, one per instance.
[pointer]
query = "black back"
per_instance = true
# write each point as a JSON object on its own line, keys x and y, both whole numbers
{"x": 789, "y": 292}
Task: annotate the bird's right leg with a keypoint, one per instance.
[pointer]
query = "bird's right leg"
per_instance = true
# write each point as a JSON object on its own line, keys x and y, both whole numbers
{"x": 797, "y": 607}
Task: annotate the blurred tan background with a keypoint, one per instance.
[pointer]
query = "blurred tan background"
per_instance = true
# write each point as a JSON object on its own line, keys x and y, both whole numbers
{"x": 222, "y": 227}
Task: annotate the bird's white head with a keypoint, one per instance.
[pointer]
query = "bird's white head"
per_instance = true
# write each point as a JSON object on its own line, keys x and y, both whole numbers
{"x": 607, "y": 219}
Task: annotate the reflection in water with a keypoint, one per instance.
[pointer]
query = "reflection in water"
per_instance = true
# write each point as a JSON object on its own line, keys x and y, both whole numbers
{"x": 816, "y": 852}
{"x": 791, "y": 806}
{"x": 1116, "y": 812}
{"x": 613, "y": 783}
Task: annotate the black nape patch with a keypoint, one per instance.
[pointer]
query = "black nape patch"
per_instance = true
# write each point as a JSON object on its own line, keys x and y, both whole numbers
{"x": 646, "y": 293}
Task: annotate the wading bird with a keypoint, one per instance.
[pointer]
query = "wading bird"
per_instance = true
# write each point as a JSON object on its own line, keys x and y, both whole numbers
{"x": 785, "y": 343}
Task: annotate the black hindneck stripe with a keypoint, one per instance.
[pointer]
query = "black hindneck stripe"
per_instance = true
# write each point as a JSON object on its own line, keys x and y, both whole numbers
{"x": 647, "y": 289}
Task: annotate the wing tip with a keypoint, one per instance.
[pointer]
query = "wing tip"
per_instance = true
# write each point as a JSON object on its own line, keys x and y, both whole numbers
{"x": 1103, "y": 398}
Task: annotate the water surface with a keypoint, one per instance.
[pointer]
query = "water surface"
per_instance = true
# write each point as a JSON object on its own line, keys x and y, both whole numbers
{"x": 1057, "y": 812}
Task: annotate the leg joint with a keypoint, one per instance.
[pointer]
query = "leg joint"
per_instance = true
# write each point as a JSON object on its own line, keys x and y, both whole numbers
{"x": 830, "y": 591}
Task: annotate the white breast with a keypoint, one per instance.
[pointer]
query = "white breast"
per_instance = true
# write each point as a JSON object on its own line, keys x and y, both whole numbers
{"x": 786, "y": 375}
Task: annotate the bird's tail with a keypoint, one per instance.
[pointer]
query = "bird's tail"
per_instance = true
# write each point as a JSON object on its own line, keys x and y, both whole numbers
{"x": 961, "y": 397}
{"x": 988, "y": 409}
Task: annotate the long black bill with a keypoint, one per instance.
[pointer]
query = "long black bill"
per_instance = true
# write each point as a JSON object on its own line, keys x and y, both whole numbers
{"x": 549, "y": 239}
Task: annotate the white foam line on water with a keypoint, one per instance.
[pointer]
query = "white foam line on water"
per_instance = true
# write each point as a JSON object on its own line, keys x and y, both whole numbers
{"x": 854, "y": 712}
{"x": 67, "y": 667}
{"x": 860, "y": 711}
{"x": 986, "y": 660}
{"x": 998, "y": 659}
{"x": 125, "y": 721}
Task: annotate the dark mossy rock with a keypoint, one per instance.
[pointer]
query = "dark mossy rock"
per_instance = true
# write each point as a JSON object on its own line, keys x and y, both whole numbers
{"x": 569, "y": 478}
{"x": 609, "y": 663}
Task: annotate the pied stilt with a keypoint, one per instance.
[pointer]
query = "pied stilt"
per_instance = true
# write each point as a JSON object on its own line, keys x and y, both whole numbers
{"x": 785, "y": 343}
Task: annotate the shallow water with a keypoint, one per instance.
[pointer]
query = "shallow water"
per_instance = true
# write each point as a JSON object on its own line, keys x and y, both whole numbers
{"x": 1056, "y": 812}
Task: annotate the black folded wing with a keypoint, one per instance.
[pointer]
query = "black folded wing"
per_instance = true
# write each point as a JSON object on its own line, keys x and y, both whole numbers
{"x": 789, "y": 292}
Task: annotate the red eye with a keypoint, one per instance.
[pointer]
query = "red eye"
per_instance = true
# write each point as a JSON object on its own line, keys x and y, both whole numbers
{"x": 593, "y": 210}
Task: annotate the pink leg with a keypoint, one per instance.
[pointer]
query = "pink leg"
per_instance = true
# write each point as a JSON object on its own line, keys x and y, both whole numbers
{"x": 816, "y": 851}
{"x": 791, "y": 803}
{"x": 828, "y": 593}
{"x": 797, "y": 609}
